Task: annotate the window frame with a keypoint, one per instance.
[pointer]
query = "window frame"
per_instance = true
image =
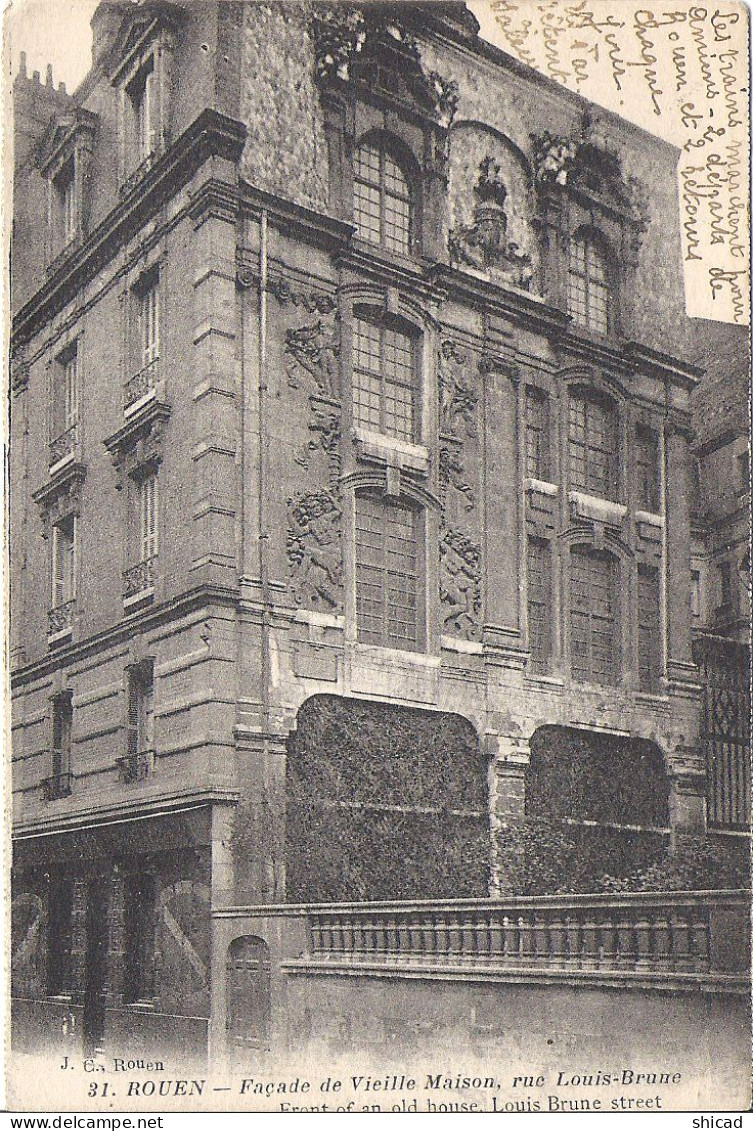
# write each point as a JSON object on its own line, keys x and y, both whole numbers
{"x": 648, "y": 469}
{"x": 595, "y": 254}
{"x": 65, "y": 397}
{"x": 139, "y": 931}
{"x": 409, "y": 334}
{"x": 62, "y": 734}
{"x": 592, "y": 618}
{"x": 385, "y": 635}
{"x": 592, "y": 399}
{"x": 386, "y": 150}
{"x": 648, "y": 631}
{"x": 540, "y": 661}
{"x": 538, "y": 463}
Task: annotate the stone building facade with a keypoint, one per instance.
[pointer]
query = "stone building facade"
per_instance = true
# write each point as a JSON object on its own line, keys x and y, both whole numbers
{"x": 350, "y": 479}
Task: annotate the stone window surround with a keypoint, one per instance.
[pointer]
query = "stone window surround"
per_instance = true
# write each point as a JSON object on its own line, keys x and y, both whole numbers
{"x": 154, "y": 43}
{"x": 69, "y": 142}
{"x": 405, "y": 492}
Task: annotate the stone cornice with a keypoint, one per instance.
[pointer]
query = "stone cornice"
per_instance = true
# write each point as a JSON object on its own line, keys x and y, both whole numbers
{"x": 295, "y": 219}
{"x": 663, "y": 365}
{"x": 199, "y": 598}
{"x": 495, "y": 298}
{"x": 210, "y": 134}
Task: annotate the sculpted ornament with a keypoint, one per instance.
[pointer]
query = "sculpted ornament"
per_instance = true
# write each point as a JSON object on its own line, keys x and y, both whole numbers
{"x": 460, "y": 584}
{"x": 451, "y": 474}
{"x": 457, "y": 398}
{"x": 484, "y": 243}
{"x": 315, "y": 349}
{"x": 314, "y": 550}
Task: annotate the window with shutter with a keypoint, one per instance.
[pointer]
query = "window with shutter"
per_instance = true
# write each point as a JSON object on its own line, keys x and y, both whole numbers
{"x": 140, "y": 708}
{"x": 62, "y": 728}
{"x": 148, "y": 517}
{"x": 63, "y": 562}
{"x": 141, "y": 95}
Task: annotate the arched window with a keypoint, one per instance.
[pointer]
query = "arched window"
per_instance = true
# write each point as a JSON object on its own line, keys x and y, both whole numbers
{"x": 594, "y": 645}
{"x": 589, "y": 297}
{"x": 382, "y": 199}
{"x": 592, "y": 444}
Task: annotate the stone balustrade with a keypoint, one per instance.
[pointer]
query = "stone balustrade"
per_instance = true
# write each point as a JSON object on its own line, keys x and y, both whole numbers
{"x": 142, "y": 383}
{"x": 658, "y": 933}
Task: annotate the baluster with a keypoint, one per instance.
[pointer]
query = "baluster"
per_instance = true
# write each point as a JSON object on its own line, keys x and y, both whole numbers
{"x": 496, "y": 935}
{"x": 428, "y": 936}
{"x": 455, "y": 935}
{"x": 510, "y": 941}
{"x": 590, "y": 940}
{"x": 608, "y": 947}
{"x": 526, "y": 940}
{"x": 572, "y": 938}
{"x": 626, "y": 944}
{"x": 680, "y": 930}
{"x": 468, "y": 935}
{"x": 661, "y": 940}
{"x": 541, "y": 940}
{"x": 557, "y": 940}
{"x": 643, "y": 941}
{"x": 443, "y": 934}
{"x": 699, "y": 940}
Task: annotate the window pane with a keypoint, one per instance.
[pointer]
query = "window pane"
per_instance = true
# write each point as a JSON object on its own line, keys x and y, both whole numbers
{"x": 649, "y": 630}
{"x": 383, "y": 380}
{"x": 592, "y": 446}
{"x": 647, "y": 469}
{"x": 382, "y": 208}
{"x": 588, "y": 286}
{"x": 387, "y": 592}
{"x": 539, "y": 604}
{"x": 593, "y": 643}
{"x": 537, "y": 434}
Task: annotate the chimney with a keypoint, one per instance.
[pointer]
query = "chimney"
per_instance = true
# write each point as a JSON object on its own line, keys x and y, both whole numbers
{"x": 105, "y": 24}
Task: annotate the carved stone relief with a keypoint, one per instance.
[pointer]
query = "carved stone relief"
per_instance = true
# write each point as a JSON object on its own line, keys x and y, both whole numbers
{"x": 460, "y": 584}
{"x": 484, "y": 243}
{"x": 314, "y": 550}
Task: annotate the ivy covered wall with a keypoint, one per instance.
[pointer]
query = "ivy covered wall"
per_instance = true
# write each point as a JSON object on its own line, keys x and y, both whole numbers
{"x": 384, "y": 802}
{"x": 595, "y": 807}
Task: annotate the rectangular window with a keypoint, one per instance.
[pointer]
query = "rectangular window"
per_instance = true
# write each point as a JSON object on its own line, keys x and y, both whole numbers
{"x": 141, "y": 708}
{"x": 537, "y": 434}
{"x": 140, "y": 906}
{"x": 65, "y": 397}
{"x": 63, "y": 562}
{"x": 388, "y": 590}
{"x": 539, "y": 604}
{"x": 148, "y": 527}
{"x": 647, "y": 470}
{"x": 66, "y": 203}
{"x": 62, "y": 728}
{"x": 384, "y": 381}
{"x": 695, "y": 592}
{"x": 149, "y": 316}
{"x": 649, "y": 630}
{"x": 592, "y": 447}
{"x": 594, "y": 647}
{"x": 141, "y": 95}
{"x": 59, "y": 934}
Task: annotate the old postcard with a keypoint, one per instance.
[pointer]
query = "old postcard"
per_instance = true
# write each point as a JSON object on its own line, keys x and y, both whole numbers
{"x": 379, "y": 616}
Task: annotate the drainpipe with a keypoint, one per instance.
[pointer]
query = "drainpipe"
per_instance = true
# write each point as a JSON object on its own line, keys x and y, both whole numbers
{"x": 266, "y": 608}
